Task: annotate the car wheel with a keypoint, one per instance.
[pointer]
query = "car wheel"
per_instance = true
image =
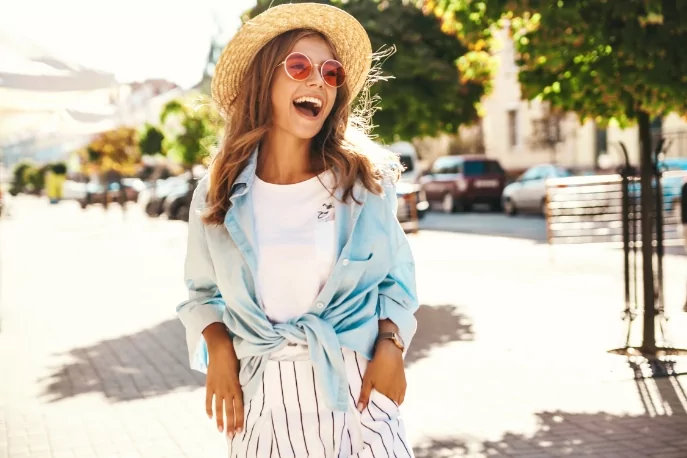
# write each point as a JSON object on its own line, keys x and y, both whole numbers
{"x": 509, "y": 207}
{"x": 448, "y": 203}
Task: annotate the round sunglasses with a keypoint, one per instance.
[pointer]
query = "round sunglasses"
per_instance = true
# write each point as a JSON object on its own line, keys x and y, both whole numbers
{"x": 299, "y": 68}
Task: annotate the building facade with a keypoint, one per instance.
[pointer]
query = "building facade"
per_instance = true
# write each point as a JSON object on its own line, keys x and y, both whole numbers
{"x": 521, "y": 133}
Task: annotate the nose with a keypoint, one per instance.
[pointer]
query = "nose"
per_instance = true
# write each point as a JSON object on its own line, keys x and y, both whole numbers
{"x": 315, "y": 78}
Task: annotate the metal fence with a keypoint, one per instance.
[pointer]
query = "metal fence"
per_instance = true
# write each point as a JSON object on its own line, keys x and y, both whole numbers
{"x": 590, "y": 209}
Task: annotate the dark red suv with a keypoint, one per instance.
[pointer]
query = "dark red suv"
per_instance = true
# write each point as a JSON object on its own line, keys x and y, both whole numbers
{"x": 458, "y": 182}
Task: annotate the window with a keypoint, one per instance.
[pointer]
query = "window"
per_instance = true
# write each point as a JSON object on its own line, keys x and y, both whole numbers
{"x": 473, "y": 168}
{"x": 600, "y": 141}
{"x": 531, "y": 174}
{"x": 406, "y": 162}
{"x": 447, "y": 164}
{"x": 513, "y": 132}
{"x": 495, "y": 168}
{"x": 561, "y": 172}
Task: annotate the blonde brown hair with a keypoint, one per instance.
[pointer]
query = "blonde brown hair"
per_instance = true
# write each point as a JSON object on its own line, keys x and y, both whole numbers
{"x": 250, "y": 119}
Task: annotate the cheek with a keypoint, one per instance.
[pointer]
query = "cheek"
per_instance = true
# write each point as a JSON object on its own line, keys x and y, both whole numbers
{"x": 280, "y": 101}
{"x": 331, "y": 98}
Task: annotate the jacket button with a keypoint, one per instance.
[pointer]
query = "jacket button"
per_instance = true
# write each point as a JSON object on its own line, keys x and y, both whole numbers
{"x": 320, "y": 305}
{"x": 345, "y": 262}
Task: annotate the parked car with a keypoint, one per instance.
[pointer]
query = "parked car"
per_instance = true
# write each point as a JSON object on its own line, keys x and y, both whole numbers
{"x": 457, "y": 183}
{"x": 154, "y": 199}
{"x": 178, "y": 202}
{"x": 410, "y": 194}
{"x": 528, "y": 192}
{"x": 675, "y": 172}
{"x": 407, "y": 155}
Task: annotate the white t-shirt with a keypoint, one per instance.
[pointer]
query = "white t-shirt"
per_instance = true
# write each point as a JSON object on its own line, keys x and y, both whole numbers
{"x": 296, "y": 243}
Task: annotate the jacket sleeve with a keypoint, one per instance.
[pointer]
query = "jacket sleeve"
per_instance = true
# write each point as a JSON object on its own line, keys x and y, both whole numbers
{"x": 397, "y": 292}
{"x": 205, "y": 304}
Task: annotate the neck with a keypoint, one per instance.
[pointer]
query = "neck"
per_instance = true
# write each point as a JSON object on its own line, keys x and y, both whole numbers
{"x": 284, "y": 159}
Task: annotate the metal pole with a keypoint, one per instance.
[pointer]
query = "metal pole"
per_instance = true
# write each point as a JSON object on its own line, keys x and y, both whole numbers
{"x": 629, "y": 242}
{"x": 659, "y": 233}
{"x": 647, "y": 214}
{"x": 625, "y": 209}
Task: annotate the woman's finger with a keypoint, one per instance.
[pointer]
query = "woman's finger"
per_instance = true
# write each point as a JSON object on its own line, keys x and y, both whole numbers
{"x": 219, "y": 412}
{"x": 229, "y": 413}
{"x": 208, "y": 401}
{"x": 238, "y": 412}
{"x": 365, "y": 391}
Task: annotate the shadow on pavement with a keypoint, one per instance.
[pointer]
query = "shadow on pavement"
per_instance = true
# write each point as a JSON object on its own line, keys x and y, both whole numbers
{"x": 438, "y": 325}
{"x": 659, "y": 432}
{"x": 154, "y": 362}
{"x": 148, "y": 363}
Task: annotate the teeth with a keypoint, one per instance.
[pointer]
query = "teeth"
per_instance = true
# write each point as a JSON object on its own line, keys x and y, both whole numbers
{"x": 314, "y": 100}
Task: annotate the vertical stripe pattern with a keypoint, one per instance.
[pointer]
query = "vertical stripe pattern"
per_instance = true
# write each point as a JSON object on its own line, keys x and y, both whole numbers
{"x": 287, "y": 418}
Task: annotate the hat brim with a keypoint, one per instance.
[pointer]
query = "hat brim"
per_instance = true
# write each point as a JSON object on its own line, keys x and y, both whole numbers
{"x": 348, "y": 37}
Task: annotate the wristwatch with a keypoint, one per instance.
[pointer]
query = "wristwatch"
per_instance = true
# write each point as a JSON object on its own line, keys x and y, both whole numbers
{"x": 394, "y": 337}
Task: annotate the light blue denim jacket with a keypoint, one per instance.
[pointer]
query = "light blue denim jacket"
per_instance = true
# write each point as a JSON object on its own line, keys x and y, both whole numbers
{"x": 372, "y": 279}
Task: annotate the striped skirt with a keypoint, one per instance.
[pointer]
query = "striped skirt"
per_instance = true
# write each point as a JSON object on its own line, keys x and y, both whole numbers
{"x": 287, "y": 417}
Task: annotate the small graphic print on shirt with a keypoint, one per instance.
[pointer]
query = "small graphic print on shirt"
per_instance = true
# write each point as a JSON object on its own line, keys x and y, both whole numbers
{"x": 326, "y": 212}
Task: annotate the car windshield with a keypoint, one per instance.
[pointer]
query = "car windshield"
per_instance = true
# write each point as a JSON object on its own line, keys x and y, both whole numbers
{"x": 472, "y": 168}
{"x": 406, "y": 162}
{"x": 563, "y": 172}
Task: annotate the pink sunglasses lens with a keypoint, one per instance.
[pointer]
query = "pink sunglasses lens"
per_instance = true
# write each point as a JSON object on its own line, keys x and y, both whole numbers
{"x": 298, "y": 66}
{"x": 333, "y": 73}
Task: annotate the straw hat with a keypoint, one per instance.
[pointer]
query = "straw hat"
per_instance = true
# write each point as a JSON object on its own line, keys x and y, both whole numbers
{"x": 351, "y": 45}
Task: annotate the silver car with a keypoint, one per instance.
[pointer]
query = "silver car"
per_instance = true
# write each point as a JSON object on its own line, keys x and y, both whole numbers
{"x": 528, "y": 192}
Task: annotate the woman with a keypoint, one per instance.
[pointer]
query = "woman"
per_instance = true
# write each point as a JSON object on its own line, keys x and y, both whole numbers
{"x": 301, "y": 281}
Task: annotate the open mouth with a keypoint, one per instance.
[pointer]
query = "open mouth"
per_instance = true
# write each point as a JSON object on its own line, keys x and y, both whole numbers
{"x": 308, "y": 106}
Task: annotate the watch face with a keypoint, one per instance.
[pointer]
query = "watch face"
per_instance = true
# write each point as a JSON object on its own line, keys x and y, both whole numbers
{"x": 398, "y": 341}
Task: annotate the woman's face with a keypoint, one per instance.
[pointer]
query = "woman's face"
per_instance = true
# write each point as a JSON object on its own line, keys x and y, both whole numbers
{"x": 293, "y": 114}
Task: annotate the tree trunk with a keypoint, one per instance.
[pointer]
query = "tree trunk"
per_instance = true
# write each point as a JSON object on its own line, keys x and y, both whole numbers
{"x": 647, "y": 222}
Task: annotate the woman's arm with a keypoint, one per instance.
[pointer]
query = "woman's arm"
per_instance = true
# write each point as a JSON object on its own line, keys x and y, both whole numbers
{"x": 396, "y": 311}
{"x": 398, "y": 292}
{"x": 202, "y": 313}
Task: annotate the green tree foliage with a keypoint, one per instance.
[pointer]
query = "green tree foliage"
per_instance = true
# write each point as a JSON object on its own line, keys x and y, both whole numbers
{"x": 151, "y": 141}
{"x": 601, "y": 59}
{"x": 190, "y": 128}
{"x": 437, "y": 82}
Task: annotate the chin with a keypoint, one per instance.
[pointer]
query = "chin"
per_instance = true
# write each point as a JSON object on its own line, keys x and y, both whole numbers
{"x": 305, "y": 129}
{"x": 305, "y": 134}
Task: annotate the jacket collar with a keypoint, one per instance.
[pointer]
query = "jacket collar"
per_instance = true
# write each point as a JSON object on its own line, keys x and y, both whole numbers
{"x": 245, "y": 179}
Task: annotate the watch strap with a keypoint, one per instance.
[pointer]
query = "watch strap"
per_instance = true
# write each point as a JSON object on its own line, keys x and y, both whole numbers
{"x": 394, "y": 337}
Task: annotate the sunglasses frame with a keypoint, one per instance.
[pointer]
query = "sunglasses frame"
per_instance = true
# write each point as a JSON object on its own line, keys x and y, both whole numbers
{"x": 283, "y": 63}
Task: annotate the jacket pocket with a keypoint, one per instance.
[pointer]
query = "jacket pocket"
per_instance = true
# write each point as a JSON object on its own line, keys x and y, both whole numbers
{"x": 351, "y": 272}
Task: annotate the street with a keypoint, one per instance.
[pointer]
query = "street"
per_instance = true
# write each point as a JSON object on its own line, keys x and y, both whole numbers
{"x": 531, "y": 227}
{"x": 510, "y": 358}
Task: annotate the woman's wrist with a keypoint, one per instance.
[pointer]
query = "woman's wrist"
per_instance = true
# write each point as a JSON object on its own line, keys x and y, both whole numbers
{"x": 387, "y": 325}
{"x": 216, "y": 335}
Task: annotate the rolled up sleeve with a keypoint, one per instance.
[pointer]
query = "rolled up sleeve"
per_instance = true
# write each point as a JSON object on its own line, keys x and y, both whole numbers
{"x": 205, "y": 304}
{"x": 398, "y": 292}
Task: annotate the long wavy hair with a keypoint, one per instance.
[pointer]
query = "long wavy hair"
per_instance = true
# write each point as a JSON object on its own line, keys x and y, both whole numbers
{"x": 340, "y": 145}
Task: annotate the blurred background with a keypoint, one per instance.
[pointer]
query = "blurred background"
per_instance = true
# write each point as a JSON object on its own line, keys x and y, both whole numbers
{"x": 543, "y": 143}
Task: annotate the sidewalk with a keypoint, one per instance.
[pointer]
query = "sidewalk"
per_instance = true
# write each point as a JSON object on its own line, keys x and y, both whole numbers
{"x": 506, "y": 362}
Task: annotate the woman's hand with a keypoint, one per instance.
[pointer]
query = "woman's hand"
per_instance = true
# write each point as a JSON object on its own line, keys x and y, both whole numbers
{"x": 222, "y": 381}
{"x": 385, "y": 373}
